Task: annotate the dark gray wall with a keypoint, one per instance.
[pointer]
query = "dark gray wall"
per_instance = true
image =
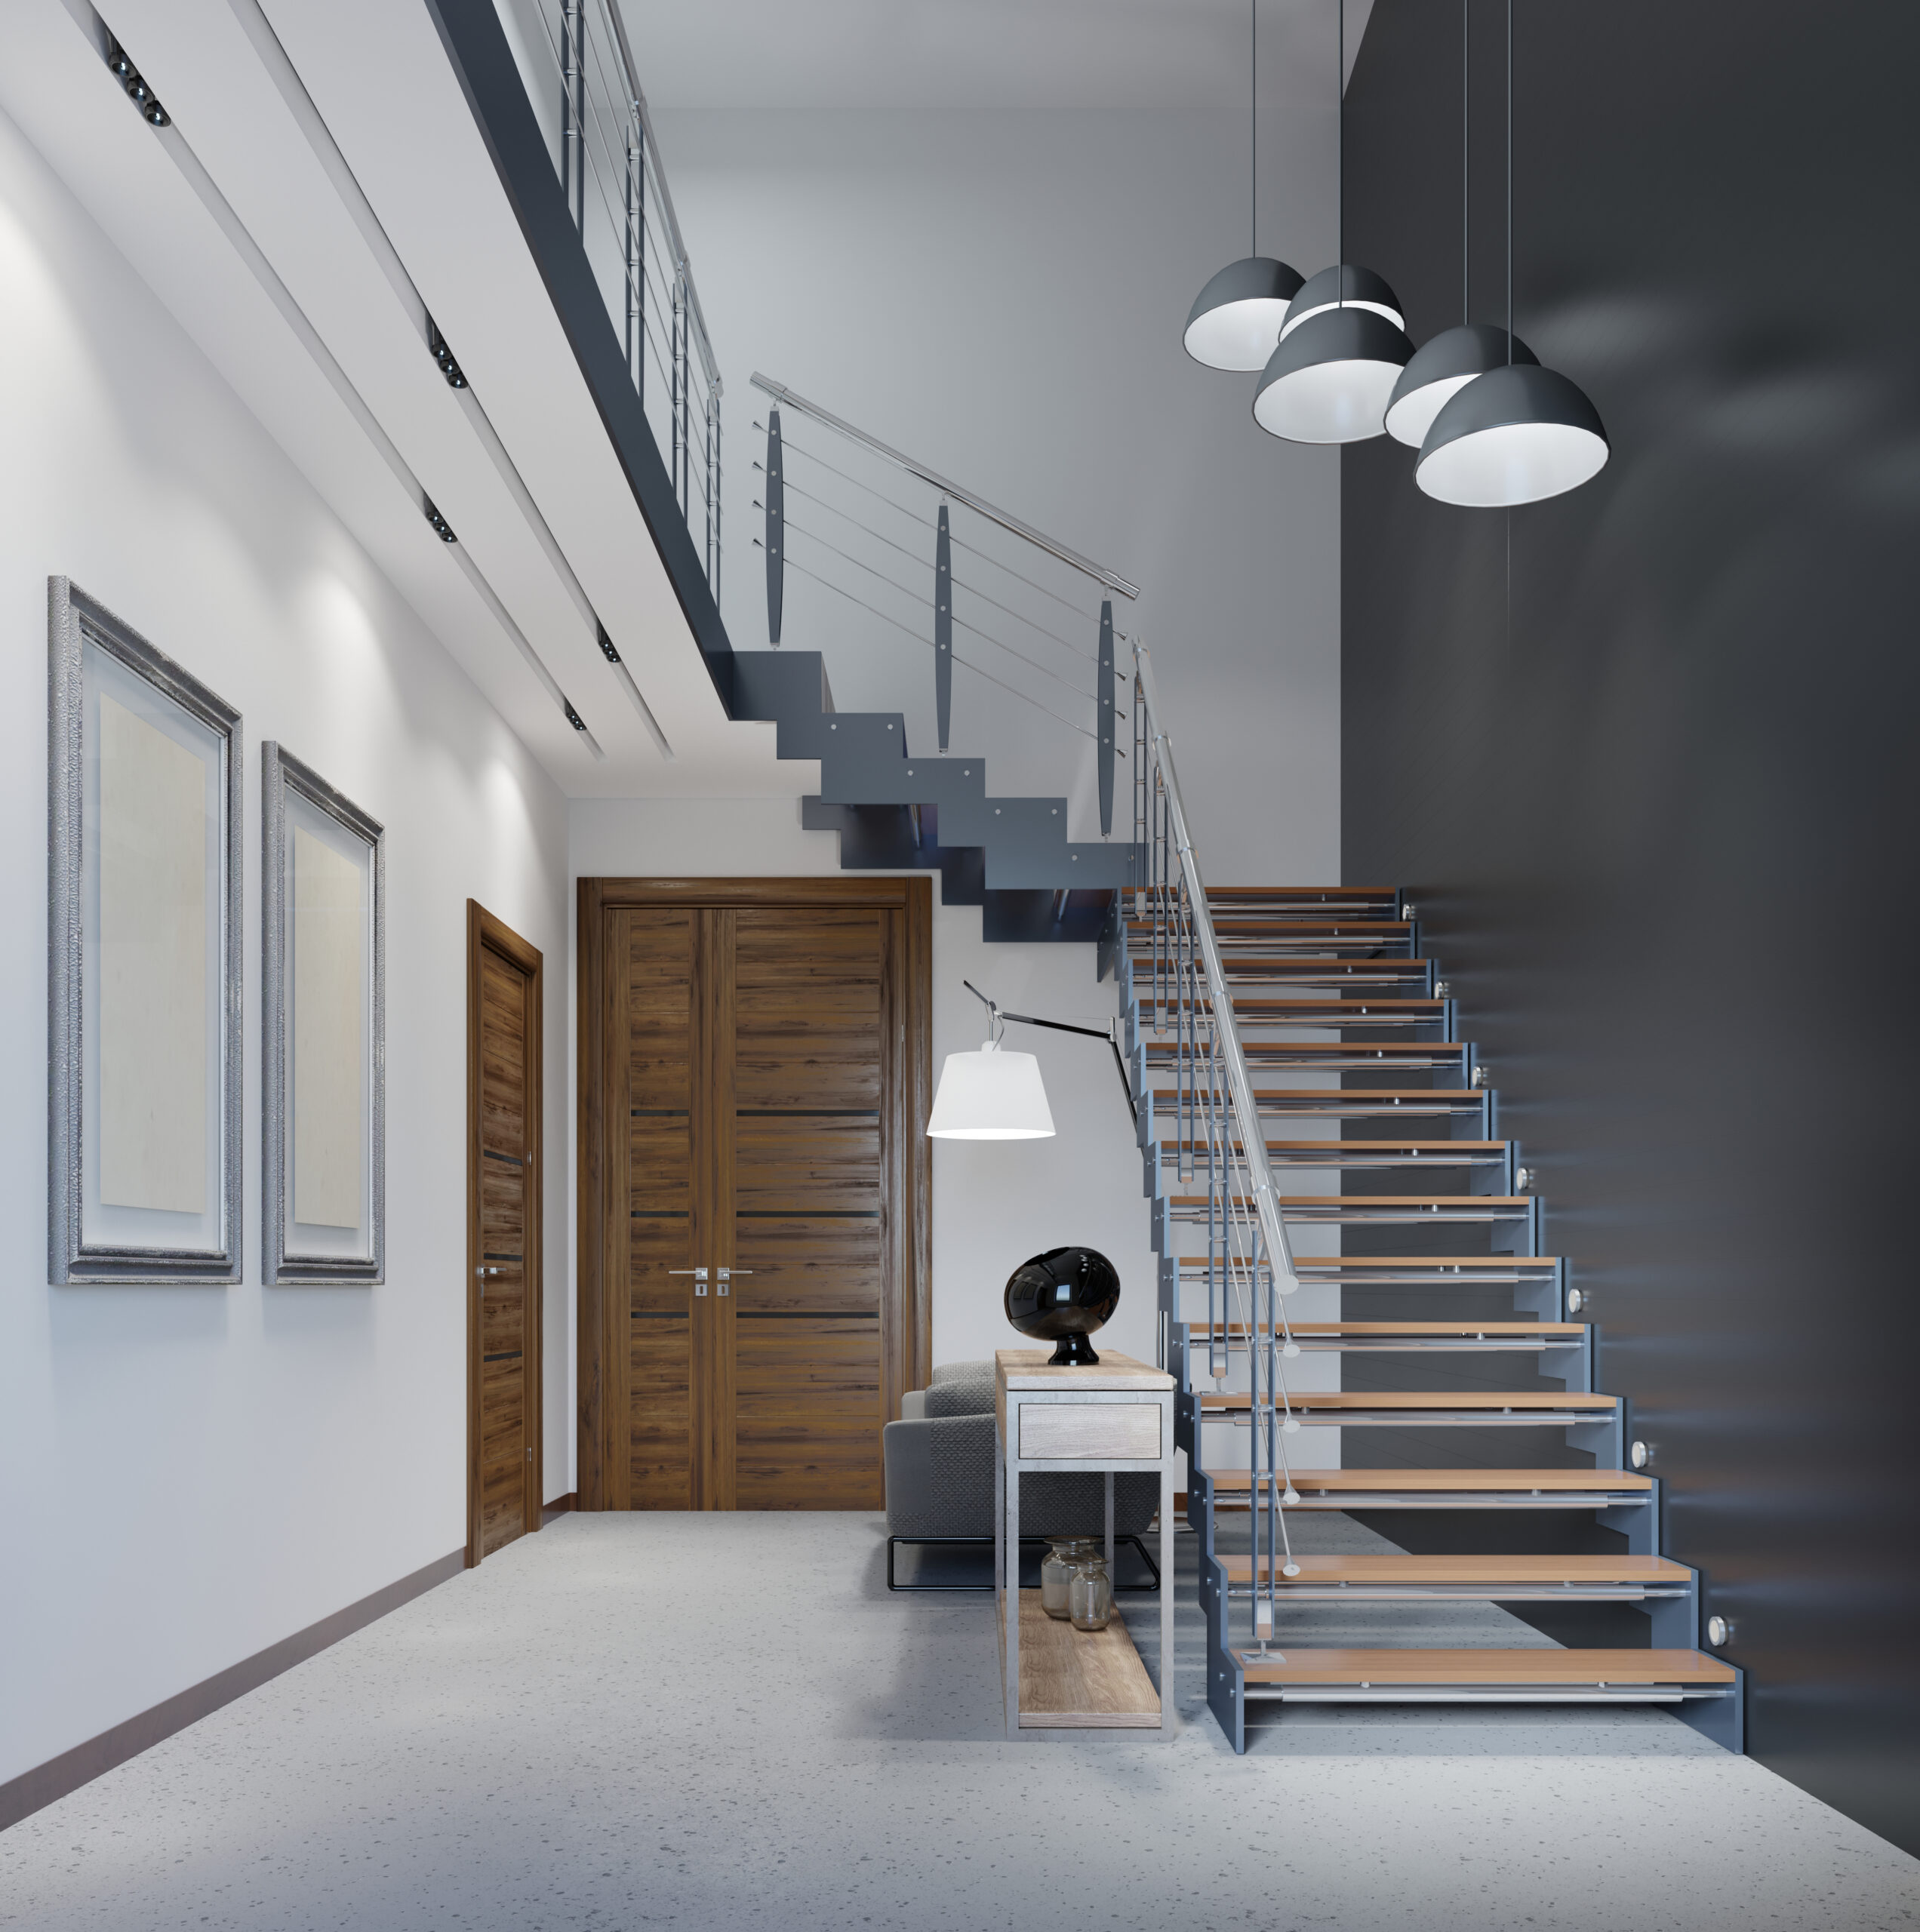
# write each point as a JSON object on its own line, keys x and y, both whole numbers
{"x": 1646, "y": 755}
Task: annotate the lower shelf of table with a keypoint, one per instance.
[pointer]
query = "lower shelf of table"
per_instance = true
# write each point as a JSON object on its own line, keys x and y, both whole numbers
{"x": 1078, "y": 1680}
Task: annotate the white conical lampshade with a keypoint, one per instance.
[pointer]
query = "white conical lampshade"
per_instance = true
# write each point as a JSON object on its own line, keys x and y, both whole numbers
{"x": 992, "y": 1095}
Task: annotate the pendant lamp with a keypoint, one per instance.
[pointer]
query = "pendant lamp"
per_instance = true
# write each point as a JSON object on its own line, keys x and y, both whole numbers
{"x": 1341, "y": 347}
{"x": 1519, "y": 433}
{"x": 1236, "y": 319}
{"x": 1444, "y": 365}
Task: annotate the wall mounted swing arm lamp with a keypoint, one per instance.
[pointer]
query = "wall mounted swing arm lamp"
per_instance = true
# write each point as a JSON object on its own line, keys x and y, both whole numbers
{"x": 996, "y": 1095}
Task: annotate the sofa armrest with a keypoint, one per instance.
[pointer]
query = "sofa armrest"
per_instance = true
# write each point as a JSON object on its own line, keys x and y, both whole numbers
{"x": 940, "y": 1476}
{"x": 913, "y": 1405}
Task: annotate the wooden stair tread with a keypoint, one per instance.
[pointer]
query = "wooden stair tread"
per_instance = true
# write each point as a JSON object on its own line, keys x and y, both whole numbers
{"x": 1495, "y": 1399}
{"x": 1515, "y": 1667}
{"x": 1464, "y": 1329}
{"x": 1441, "y": 1263}
{"x": 1496, "y": 1480}
{"x": 1439, "y": 1150}
{"x": 1458, "y": 1096}
{"x": 1388, "y": 892}
{"x": 1398, "y": 1568}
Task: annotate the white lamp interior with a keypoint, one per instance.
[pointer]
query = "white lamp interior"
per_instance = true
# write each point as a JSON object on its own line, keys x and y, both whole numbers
{"x": 1236, "y": 335}
{"x": 1517, "y": 462}
{"x": 1327, "y": 402}
{"x": 1410, "y": 419}
{"x": 991, "y": 1095}
{"x": 1393, "y": 315}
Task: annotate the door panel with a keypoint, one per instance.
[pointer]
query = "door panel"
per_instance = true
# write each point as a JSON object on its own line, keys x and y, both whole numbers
{"x": 654, "y": 1050}
{"x": 754, "y": 1094}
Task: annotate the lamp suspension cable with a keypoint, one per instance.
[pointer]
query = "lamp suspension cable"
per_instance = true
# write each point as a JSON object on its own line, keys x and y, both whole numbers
{"x": 1252, "y": 130}
{"x": 1466, "y": 206}
{"x": 1509, "y": 183}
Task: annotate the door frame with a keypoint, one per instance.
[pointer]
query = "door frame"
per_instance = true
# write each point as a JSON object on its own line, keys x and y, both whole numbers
{"x": 485, "y": 934}
{"x": 907, "y": 1320}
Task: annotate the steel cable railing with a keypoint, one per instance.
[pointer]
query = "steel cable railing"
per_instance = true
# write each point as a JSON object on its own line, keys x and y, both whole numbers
{"x": 822, "y": 532}
{"x": 1250, "y": 1258}
{"x": 609, "y": 165}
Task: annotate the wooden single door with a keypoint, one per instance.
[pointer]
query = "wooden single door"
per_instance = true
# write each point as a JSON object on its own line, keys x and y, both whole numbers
{"x": 503, "y": 1235}
{"x": 754, "y": 1064}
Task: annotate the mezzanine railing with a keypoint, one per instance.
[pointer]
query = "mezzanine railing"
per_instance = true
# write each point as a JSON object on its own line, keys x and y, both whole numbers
{"x": 585, "y": 88}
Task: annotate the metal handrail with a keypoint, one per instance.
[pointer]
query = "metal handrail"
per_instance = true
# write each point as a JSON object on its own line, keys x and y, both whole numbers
{"x": 1005, "y": 519}
{"x": 1226, "y": 1033}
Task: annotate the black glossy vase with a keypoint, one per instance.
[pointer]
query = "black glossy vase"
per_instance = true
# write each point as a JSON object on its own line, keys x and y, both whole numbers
{"x": 1063, "y": 1296}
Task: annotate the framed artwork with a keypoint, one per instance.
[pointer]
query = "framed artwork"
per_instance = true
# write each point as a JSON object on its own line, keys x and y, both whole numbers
{"x": 143, "y": 967}
{"x": 323, "y": 1194}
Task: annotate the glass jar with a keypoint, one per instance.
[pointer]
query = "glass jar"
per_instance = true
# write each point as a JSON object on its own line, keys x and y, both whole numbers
{"x": 1057, "y": 1571}
{"x": 1090, "y": 1592}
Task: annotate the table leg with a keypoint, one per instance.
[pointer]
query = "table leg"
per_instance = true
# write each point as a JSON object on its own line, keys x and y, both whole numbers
{"x": 1010, "y": 1539}
{"x": 1167, "y": 1582}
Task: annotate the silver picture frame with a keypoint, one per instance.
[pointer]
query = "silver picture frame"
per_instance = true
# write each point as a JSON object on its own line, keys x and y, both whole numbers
{"x": 155, "y": 1239}
{"x": 295, "y": 796}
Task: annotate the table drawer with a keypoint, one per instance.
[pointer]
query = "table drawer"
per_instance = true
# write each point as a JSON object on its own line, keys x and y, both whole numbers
{"x": 1103, "y": 1432}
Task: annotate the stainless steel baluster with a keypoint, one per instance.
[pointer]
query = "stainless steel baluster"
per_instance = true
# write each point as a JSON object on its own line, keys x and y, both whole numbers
{"x": 712, "y": 496}
{"x": 679, "y": 478}
{"x": 636, "y": 278}
{"x": 573, "y": 83}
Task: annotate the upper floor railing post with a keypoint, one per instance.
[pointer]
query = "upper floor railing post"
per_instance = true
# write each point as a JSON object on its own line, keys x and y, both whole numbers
{"x": 680, "y": 385}
{"x": 636, "y": 276}
{"x": 573, "y": 88}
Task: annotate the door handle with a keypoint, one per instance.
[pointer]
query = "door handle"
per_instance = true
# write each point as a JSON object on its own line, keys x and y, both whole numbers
{"x": 484, "y": 1272}
{"x": 699, "y": 1276}
{"x": 726, "y": 1274}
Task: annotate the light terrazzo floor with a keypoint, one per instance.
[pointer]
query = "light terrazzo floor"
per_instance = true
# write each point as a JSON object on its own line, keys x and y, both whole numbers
{"x": 723, "y": 1721}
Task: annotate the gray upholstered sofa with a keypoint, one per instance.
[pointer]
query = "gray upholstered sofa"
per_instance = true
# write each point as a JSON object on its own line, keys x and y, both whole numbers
{"x": 940, "y": 1476}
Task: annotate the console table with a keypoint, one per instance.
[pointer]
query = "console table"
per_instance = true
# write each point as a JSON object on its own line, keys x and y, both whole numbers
{"x": 1117, "y": 1415}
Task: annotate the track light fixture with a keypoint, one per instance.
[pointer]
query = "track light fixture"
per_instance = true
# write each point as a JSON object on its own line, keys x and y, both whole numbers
{"x": 1342, "y": 346}
{"x": 443, "y": 356}
{"x": 1236, "y": 319}
{"x": 1518, "y": 433}
{"x": 138, "y": 92}
{"x": 442, "y": 527}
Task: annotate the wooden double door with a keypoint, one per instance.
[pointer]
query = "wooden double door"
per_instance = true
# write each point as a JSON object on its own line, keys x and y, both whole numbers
{"x": 755, "y": 1082}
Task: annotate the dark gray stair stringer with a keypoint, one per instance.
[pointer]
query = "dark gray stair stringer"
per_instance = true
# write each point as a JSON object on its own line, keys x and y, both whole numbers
{"x": 896, "y": 810}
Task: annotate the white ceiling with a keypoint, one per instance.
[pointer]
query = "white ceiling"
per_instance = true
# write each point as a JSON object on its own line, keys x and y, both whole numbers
{"x": 1166, "y": 55}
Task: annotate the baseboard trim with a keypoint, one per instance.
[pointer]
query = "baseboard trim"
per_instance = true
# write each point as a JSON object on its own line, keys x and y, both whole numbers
{"x": 21, "y": 1797}
{"x": 559, "y": 1506}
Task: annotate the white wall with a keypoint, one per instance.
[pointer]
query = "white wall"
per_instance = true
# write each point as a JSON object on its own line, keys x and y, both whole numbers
{"x": 189, "y": 1474}
{"x": 1002, "y": 293}
{"x": 993, "y": 1205}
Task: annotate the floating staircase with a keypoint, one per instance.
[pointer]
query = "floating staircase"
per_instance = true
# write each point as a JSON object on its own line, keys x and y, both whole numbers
{"x": 1449, "y": 1324}
{"x": 1407, "y": 1371}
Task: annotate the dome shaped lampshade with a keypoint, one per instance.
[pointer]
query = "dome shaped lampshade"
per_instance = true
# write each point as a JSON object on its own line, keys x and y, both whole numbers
{"x": 1514, "y": 436}
{"x": 1329, "y": 381}
{"x": 1362, "y": 289}
{"x": 1236, "y": 322}
{"x": 992, "y": 1095}
{"x": 1441, "y": 368}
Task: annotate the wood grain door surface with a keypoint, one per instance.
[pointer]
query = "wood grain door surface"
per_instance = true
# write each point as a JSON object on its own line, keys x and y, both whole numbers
{"x": 758, "y": 1090}
{"x": 504, "y": 1223}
